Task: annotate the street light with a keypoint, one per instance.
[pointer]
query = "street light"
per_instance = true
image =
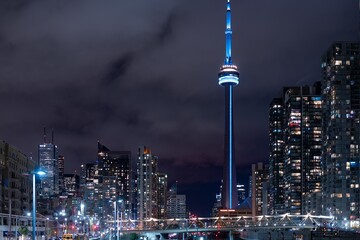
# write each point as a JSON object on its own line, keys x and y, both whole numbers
{"x": 117, "y": 224}
{"x": 82, "y": 207}
{"x": 40, "y": 173}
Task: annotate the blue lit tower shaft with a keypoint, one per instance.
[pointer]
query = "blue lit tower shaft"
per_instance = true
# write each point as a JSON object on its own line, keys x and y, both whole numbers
{"x": 228, "y": 78}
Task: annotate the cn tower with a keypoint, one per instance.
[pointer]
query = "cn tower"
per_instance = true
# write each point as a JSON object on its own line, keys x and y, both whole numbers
{"x": 228, "y": 78}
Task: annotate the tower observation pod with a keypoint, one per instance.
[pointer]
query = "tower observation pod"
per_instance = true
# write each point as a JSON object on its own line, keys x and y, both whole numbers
{"x": 228, "y": 78}
{"x": 228, "y": 72}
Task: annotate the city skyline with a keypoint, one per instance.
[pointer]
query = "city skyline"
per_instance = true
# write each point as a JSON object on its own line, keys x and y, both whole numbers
{"x": 94, "y": 72}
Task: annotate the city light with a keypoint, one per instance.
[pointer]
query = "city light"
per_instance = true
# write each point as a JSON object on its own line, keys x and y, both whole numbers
{"x": 34, "y": 173}
{"x": 304, "y": 177}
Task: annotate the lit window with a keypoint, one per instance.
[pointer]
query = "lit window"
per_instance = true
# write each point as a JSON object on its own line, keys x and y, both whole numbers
{"x": 338, "y": 62}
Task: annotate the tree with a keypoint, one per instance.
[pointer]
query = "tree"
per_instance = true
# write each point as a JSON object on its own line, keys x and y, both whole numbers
{"x": 23, "y": 230}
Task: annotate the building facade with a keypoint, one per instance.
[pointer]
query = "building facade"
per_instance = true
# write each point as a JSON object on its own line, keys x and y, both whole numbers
{"x": 16, "y": 180}
{"x": 48, "y": 162}
{"x": 260, "y": 175}
{"x": 147, "y": 189}
{"x": 176, "y": 204}
{"x": 341, "y": 141}
{"x": 303, "y": 143}
{"x": 276, "y": 158}
{"x": 113, "y": 179}
{"x": 61, "y": 164}
{"x": 295, "y": 131}
{"x": 71, "y": 185}
{"x": 162, "y": 185}
{"x": 241, "y": 192}
{"x": 89, "y": 191}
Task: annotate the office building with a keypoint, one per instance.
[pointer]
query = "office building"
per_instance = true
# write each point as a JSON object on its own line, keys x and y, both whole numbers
{"x": 241, "y": 192}
{"x": 89, "y": 192}
{"x": 71, "y": 185}
{"x": 176, "y": 204}
{"x": 82, "y": 180}
{"x": 48, "y": 162}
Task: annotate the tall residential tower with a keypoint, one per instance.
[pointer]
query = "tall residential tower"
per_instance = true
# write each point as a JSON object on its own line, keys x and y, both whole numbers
{"x": 113, "y": 176}
{"x": 228, "y": 78}
{"x": 295, "y": 131}
{"x": 277, "y": 155}
{"x": 302, "y": 156}
{"x": 147, "y": 168}
{"x": 341, "y": 142}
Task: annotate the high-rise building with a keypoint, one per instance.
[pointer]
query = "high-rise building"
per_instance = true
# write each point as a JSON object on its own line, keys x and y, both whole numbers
{"x": 276, "y": 158}
{"x": 228, "y": 78}
{"x": 303, "y": 136}
{"x": 176, "y": 204}
{"x": 89, "y": 192}
{"x": 241, "y": 192}
{"x": 61, "y": 164}
{"x": 341, "y": 143}
{"x": 217, "y": 204}
{"x": 295, "y": 131}
{"x": 82, "y": 180}
{"x": 99, "y": 202}
{"x": 114, "y": 178}
{"x": 15, "y": 180}
{"x": 48, "y": 162}
{"x": 82, "y": 174}
{"x": 259, "y": 174}
{"x": 250, "y": 186}
{"x": 133, "y": 194}
{"x": 162, "y": 182}
{"x": 71, "y": 185}
{"x": 147, "y": 168}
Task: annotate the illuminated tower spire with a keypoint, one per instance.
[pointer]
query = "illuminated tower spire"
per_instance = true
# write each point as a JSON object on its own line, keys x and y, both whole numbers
{"x": 228, "y": 78}
{"x": 228, "y": 33}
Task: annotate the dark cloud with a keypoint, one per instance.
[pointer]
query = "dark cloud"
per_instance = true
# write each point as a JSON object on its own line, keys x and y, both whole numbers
{"x": 118, "y": 68}
{"x": 133, "y": 73}
{"x": 7, "y": 6}
{"x": 166, "y": 31}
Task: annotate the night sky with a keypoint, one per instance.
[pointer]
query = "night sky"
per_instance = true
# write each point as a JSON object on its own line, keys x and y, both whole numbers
{"x": 131, "y": 73}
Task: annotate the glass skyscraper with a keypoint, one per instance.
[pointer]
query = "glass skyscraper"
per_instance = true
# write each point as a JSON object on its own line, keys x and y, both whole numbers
{"x": 48, "y": 162}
